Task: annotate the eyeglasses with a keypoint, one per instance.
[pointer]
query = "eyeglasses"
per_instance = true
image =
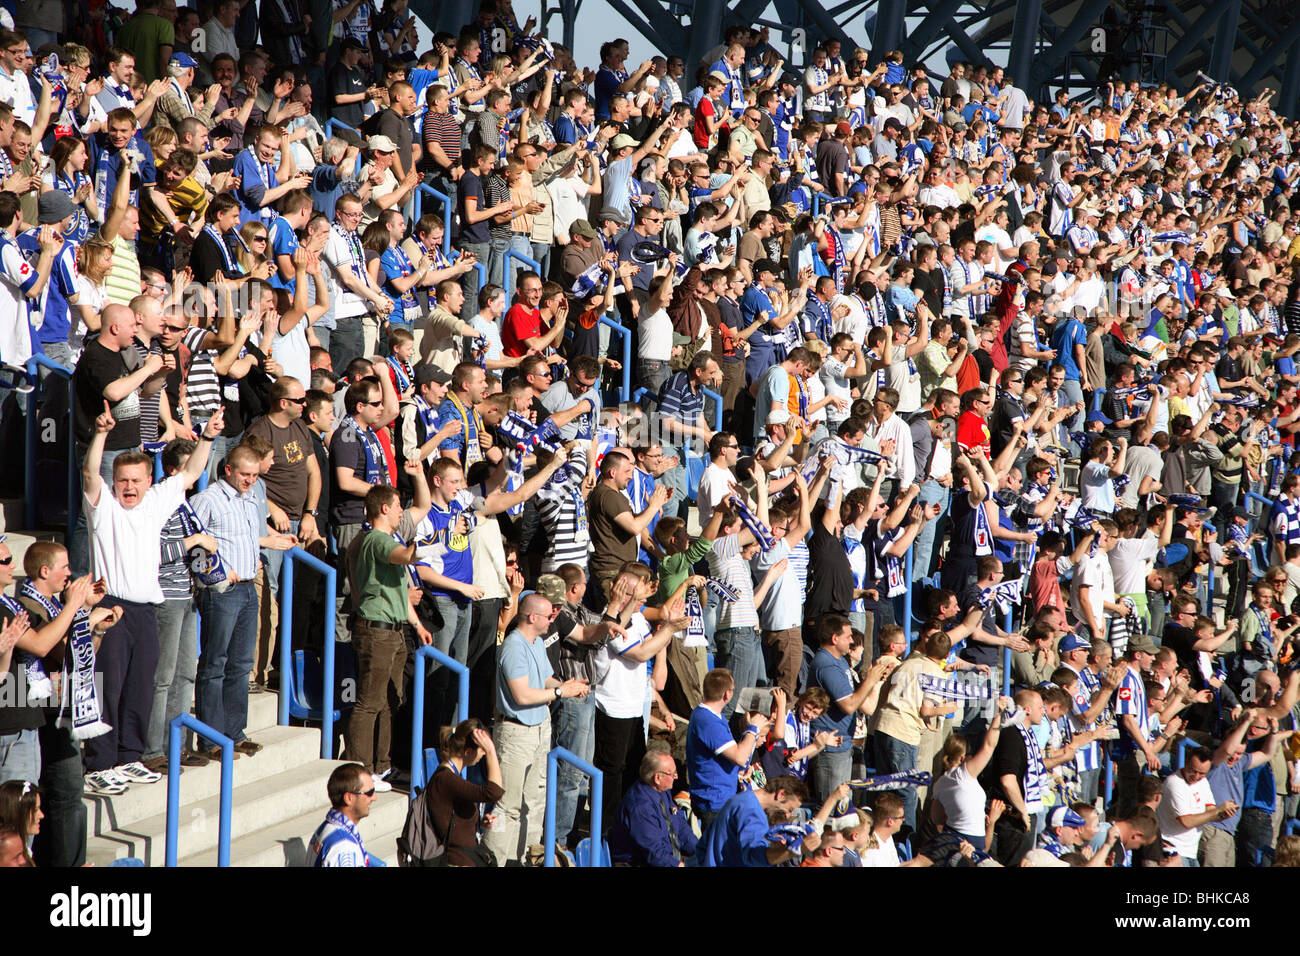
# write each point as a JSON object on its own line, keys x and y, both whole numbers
{"x": 257, "y": 239}
{"x": 175, "y": 329}
{"x": 545, "y": 373}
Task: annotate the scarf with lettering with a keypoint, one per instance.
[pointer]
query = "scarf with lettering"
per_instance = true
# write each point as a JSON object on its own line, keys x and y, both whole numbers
{"x": 39, "y": 687}
{"x": 1003, "y": 594}
{"x": 79, "y": 711}
{"x": 761, "y": 532}
{"x": 723, "y": 590}
{"x": 1034, "y": 772}
{"x": 983, "y": 533}
{"x": 376, "y": 468}
{"x": 955, "y": 688}
{"x": 208, "y": 568}
{"x": 893, "y": 781}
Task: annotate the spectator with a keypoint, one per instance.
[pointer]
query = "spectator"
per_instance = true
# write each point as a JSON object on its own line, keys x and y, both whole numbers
{"x": 651, "y": 829}
{"x": 337, "y": 841}
{"x": 454, "y": 802}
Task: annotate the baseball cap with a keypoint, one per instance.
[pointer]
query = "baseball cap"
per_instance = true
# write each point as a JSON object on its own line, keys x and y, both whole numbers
{"x": 893, "y": 123}
{"x": 1065, "y": 817}
{"x": 582, "y": 228}
{"x": 766, "y": 265}
{"x": 621, "y": 140}
{"x": 425, "y": 373}
{"x": 843, "y": 129}
{"x": 1141, "y": 642}
{"x": 55, "y": 206}
{"x": 1099, "y": 416}
{"x": 381, "y": 144}
{"x": 1073, "y": 642}
{"x": 183, "y": 59}
{"x": 551, "y": 587}
{"x": 609, "y": 212}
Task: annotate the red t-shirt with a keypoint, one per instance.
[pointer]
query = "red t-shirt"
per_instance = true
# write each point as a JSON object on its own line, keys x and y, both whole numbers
{"x": 973, "y": 432}
{"x": 521, "y": 323}
{"x": 705, "y": 108}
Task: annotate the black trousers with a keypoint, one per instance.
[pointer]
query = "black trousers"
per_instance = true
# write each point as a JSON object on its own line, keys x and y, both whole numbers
{"x": 126, "y": 662}
{"x": 62, "y": 840}
{"x": 619, "y": 747}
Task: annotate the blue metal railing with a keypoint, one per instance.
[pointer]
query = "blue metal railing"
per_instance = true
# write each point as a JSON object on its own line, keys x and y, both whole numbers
{"x": 417, "y": 706}
{"x": 174, "y": 785}
{"x": 332, "y": 124}
{"x": 1179, "y": 755}
{"x": 717, "y": 407}
{"x": 1006, "y": 656}
{"x": 424, "y": 190}
{"x": 625, "y": 334}
{"x": 505, "y": 266}
{"x": 907, "y": 598}
{"x": 291, "y": 557}
{"x": 34, "y": 364}
{"x": 158, "y": 473}
{"x": 597, "y": 798}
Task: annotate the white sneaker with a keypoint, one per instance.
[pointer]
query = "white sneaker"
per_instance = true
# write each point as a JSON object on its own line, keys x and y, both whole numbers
{"x": 105, "y": 782}
{"x": 381, "y": 785}
{"x": 136, "y": 772}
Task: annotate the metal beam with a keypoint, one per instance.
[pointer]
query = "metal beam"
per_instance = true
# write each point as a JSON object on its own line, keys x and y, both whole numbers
{"x": 890, "y": 24}
{"x": 929, "y": 28}
{"x": 1225, "y": 39}
{"x": 642, "y": 26}
{"x": 1288, "y": 99}
{"x": 1024, "y": 40}
{"x": 817, "y": 16}
{"x": 747, "y": 11}
{"x": 974, "y": 52}
{"x": 1193, "y": 35}
{"x": 1286, "y": 43}
{"x": 1046, "y": 62}
{"x": 705, "y": 32}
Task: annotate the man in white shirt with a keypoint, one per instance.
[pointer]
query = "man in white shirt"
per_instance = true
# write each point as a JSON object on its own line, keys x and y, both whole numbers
{"x": 1187, "y": 805}
{"x": 715, "y": 483}
{"x": 14, "y": 86}
{"x": 885, "y": 428}
{"x": 995, "y": 233}
{"x": 219, "y": 32}
{"x": 124, "y": 528}
{"x": 1092, "y": 590}
{"x": 359, "y": 305}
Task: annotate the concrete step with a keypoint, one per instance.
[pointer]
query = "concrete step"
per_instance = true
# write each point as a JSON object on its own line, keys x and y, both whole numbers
{"x": 262, "y": 804}
{"x": 285, "y": 748}
{"x": 285, "y": 844}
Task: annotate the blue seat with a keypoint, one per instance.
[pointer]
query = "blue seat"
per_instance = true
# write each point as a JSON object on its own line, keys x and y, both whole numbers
{"x": 431, "y": 762}
{"x": 904, "y": 850}
{"x": 127, "y": 861}
{"x": 305, "y": 693}
{"x": 582, "y": 853}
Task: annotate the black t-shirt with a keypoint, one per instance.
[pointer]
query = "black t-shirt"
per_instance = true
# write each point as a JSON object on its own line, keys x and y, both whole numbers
{"x": 1009, "y": 757}
{"x": 1228, "y": 369}
{"x": 830, "y": 578}
{"x": 977, "y": 652}
{"x": 930, "y": 285}
{"x": 346, "y": 452}
{"x": 345, "y": 82}
{"x": 98, "y": 368}
{"x": 323, "y": 462}
{"x": 208, "y": 260}
{"x": 391, "y": 124}
{"x": 13, "y": 689}
{"x": 1181, "y": 640}
{"x": 471, "y": 187}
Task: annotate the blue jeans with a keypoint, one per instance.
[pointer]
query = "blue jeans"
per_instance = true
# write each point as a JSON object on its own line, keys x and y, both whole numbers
{"x": 1254, "y": 835}
{"x": 469, "y": 281}
{"x": 923, "y": 545}
{"x": 894, "y": 756}
{"x": 675, "y": 478}
{"x": 496, "y": 263}
{"x": 229, "y": 648}
{"x": 1073, "y": 391}
{"x": 519, "y": 243}
{"x": 453, "y": 640}
{"x": 20, "y": 756}
{"x": 542, "y": 253}
{"x": 575, "y": 730}
{"x": 173, "y": 679}
{"x": 740, "y": 651}
{"x": 828, "y": 770}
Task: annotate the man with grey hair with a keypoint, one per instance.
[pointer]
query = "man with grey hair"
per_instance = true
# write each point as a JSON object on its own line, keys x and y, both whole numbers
{"x": 650, "y": 829}
{"x": 175, "y": 106}
{"x": 336, "y": 174}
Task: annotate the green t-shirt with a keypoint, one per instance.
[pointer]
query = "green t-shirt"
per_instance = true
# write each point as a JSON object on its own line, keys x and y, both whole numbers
{"x": 143, "y": 34}
{"x": 381, "y": 584}
{"x": 676, "y": 568}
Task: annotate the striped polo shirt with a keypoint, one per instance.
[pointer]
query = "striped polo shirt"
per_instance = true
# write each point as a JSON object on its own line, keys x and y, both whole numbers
{"x": 122, "y": 284}
{"x": 1131, "y": 698}
{"x": 202, "y": 387}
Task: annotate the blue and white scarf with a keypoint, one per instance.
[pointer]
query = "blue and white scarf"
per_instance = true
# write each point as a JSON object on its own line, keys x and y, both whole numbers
{"x": 983, "y": 533}
{"x": 893, "y": 781}
{"x": 402, "y": 372}
{"x": 761, "y": 532}
{"x": 1004, "y": 595}
{"x": 376, "y": 467}
{"x": 230, "y": 265}
{"x": 1034, "y": 772}
{"x": 39, "y": 687}
{"x": 208, "y": 568}
{"x": 955, "y": 688}
{"x": 79, "y": 711}
{"x": 723, "y": 590}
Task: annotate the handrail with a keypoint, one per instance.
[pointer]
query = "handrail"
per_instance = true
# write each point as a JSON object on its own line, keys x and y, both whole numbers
{"x": 816, "y": 203}
{"x": 624, "y": 333}
{"x": 446, "y": 212}
{"x": 907, "y": 598}
{"x": 597, "y": 795}
{"x": 29, "y": 474}
{"x": 286, "y": 643}
{"x": 1006, "y": 657}
{"x": 417, "y": 707}
{"x": 505, "y": 265}
{"x": 331, "y": 124}
{"x": 1179, "y": 756}
{"x": 174, "y": 784}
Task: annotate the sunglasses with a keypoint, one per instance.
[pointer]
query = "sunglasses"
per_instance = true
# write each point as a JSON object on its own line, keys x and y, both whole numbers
{"x": 364, "y": 793}
{"x": 7, "y": 561}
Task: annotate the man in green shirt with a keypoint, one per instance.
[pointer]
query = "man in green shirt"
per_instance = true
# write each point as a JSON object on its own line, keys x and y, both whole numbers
{"x": 381, "y": 586}
{"x": 680, "y": 555}
{"x": 150, "y": 38}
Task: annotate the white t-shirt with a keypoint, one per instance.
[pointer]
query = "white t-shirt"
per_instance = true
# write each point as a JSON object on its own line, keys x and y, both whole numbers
{"x": 622, "y": 683}
{"x": 834, "y": 383}
{"x": 124, "y": 543}
{"x": 962, "y": 799}
{"x": 338, "y": 256}
{"x": 88, "y": 294}
{"x": 1094, "y": 573}
{"x": 568, "y": 205}
{"x": 656, "y": 343}
{"x": 1129, "y": 561}
{"x": 712, "y": 490}
{"x": 293, "y": 352}
{"x": 1180, "y": 799}
{"x": 998, "y": 236}
{"x": 884, "y": 855}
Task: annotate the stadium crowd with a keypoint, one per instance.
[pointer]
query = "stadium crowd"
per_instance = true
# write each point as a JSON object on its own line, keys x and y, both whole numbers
{"x": 736, "y": 423}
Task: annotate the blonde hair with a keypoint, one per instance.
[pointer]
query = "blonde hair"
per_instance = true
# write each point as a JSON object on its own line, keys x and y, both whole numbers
{"x": 95, "y": 260}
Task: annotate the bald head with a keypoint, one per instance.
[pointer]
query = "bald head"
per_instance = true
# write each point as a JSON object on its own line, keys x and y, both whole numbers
{"x": 148, "y": 313}
{"x": 118, "y": 324}
{"x": 534, "y": 613}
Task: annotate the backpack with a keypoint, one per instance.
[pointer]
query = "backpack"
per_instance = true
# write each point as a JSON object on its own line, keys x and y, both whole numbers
{"x": 419, "y": 844}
